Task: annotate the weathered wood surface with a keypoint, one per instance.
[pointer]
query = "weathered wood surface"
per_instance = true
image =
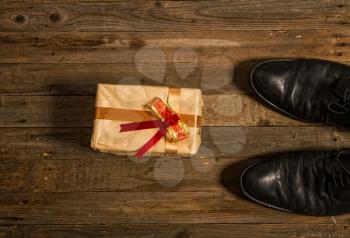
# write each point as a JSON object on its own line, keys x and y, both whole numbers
{"x": 216, "y": 66}
{"x": 172, "y": 15}
{"x": 143, "y": 207}
{"x": 82, "y": 79}
{"x": 54, "y": 53}
{"x": 238, "y": 142}
{"x": 78, "y": 111}
{"x": 177, "y": 231}
{"x": 60, "y": 160}
{"x": 210, "y": 47}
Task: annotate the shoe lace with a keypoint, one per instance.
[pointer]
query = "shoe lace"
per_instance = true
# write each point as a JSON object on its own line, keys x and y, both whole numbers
{"x": 341, "y": 179}
{"x": 341, "y": 106}
{"x": 340, "y": 174}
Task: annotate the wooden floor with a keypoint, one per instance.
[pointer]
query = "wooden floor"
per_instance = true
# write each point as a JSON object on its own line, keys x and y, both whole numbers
{"x": 54, "y": 53}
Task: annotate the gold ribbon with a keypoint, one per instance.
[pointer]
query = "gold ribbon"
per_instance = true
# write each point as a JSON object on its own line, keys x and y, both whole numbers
{"x": 174, "y": 102}
{"x": 118, "y": 114}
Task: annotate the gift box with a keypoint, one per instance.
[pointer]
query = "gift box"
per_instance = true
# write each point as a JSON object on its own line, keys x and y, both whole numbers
{"x": 148, "y": 120}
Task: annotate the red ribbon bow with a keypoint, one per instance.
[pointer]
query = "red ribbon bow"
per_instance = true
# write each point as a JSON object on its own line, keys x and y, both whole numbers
{"x": 167, "y": 119}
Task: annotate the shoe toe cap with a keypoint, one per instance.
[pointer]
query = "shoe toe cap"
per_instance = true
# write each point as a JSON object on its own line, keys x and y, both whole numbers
{"x": 260, "y": 183}
{"x": 269, "y": 80}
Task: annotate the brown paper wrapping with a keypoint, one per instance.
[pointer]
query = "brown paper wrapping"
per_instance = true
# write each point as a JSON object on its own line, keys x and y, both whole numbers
{"x": 118, "y": 104}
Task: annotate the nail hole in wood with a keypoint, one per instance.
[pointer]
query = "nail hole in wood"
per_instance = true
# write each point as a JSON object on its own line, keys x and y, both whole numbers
{"x": 54, "y": 17}
{"x": 159, "y": 4}
{"x": 20, "y": 19}
{"x": 181, "y": 234}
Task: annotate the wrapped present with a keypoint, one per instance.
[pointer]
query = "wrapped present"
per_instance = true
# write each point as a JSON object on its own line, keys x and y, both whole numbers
{"x": 147, "y": 120}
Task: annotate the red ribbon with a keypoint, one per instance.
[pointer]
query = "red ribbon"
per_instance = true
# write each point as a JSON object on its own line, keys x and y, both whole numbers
{"x": 169, "y": 120}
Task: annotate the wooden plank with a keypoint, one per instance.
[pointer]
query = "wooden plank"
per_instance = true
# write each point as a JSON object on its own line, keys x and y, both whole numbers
{"x": 178, "y": 231}
{"x": 190, "y": 16}
{"x": 82, "y": 79}
{"x": 148, "y": 48}
{"x": 219, "y": 142}
{"x": 218, "y": 66}
{"x": 184, "y": 203}
{"x": 50, "y": 175}
{"x": 60, "y": 160}
{"x": 111, "y": 174}
{"x": 143, "y": 207}
{"x": 78, "y": 111}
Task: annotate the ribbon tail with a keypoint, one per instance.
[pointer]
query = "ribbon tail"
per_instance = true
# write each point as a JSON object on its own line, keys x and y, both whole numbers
{"x": 133, "y": 126}
{"x": 151, "y": 142}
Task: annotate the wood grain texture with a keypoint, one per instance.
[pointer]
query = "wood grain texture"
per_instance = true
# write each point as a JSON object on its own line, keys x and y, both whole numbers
{"x": 113, "y": 175}
{"x": 143, "y": 207}
{"x": 177, "y": 231}
{"x": 82, "y": 79}
{"x": 54, "y": 53}
{"x": 78, "y": 111}
{"x": 39, "y": 162}
{"x": 46, "y": 160}
{"x": 218, "y": 142}
{"x": 158, "y": 47}
{"x": 218, "y": 62}
{"x": 172, "y": 15}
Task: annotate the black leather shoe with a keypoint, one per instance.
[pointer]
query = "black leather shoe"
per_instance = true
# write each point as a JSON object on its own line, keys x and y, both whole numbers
{"x": 306, "y": 90}
{"x": 309, "y": 183}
